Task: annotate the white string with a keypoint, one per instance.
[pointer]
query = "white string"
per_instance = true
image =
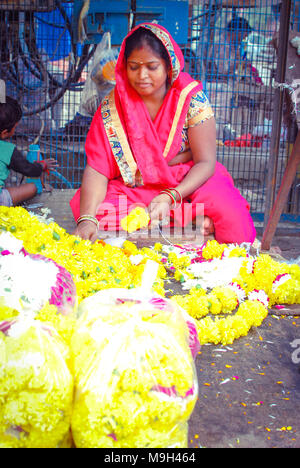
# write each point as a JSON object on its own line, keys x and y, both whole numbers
{"x": 162, "y": 235}
{"x": 291, "y": 90}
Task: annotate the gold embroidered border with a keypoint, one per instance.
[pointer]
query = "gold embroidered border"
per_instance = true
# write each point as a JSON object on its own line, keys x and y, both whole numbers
{"x": 114, "y": 142}
{"x": 181, "y": 102}
{"x": 121, "y": 135}
{"x": 165, "y": 39}
{"x": 205, "y": 114}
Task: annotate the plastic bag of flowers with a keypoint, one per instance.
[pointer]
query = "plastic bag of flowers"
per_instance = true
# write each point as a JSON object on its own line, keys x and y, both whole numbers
{"x": 29, "y": 281}
{"x": 143, "y": 295}
{"x": 36, "y": 386}
{"x": 135, "y": 380}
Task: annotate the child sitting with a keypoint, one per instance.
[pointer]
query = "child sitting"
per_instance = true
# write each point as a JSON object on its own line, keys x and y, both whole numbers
{"x": 12, "y": 159}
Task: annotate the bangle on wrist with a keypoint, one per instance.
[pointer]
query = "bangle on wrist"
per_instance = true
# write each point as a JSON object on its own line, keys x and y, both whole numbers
{"x": 90, "y": 218}
{"x": 179, "y": 195}
{"x": 171, "y": 195}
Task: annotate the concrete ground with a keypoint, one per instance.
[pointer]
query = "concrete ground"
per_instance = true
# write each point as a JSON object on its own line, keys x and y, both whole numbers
{"x": 249, "y": 392}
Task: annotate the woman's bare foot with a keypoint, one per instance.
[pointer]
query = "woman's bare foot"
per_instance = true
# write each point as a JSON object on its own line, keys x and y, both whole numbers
{"x": 208, "y": 226}
{"x": 204, "y": 224}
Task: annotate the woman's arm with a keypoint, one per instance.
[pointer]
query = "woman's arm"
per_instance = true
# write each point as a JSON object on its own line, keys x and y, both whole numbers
{"x": 93, "y": 192}
{"x": 202, "y": 142}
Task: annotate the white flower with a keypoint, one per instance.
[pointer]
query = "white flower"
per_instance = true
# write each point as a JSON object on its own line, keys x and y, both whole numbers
{"x": 260, "y": 296}
{"x": 25, "y": 283}
{"x": 10, "y": 242}
{"x": 218, "y": 272}
{"x": 241, "y": 295}
{"x": 281, "y": 279}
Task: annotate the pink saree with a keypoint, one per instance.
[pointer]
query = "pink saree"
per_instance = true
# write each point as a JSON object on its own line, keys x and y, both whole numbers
{"x": 133, "y": 152}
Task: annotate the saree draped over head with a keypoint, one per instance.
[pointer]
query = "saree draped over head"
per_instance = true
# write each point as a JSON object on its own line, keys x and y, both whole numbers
{"x": 133, "y": 152}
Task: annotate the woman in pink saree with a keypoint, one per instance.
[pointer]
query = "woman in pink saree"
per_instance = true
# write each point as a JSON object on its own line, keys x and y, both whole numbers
{"x": 152, "y": 142}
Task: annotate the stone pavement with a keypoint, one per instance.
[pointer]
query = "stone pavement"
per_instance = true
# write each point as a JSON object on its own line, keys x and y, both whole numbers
{"x": 249, "y": 392}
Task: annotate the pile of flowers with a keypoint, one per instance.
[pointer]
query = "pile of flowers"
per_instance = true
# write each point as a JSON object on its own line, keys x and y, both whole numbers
{"x": 227, "y": 282}
{"x": 229, "y": 290}
{"x": 36, "y": 386}
{"x": 93, "y": 267}
{"x": 135, "y": 381}
{"x": 137, "y": 388}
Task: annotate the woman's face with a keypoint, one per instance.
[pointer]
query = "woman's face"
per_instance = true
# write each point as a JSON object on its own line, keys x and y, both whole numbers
{"x": 147, "y": 73}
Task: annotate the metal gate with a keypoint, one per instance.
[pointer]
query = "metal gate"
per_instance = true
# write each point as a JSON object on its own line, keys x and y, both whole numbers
{"x": 231, "y": 46}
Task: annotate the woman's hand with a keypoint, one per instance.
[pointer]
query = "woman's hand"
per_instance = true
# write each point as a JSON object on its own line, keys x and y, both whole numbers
{"x": 86, "y": 230}
{"x": 159, "y": 209}
{"x": 93, "y": 192}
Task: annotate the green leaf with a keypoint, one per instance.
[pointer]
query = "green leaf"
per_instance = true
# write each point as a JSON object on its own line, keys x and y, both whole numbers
{"x": 56, "y": 236}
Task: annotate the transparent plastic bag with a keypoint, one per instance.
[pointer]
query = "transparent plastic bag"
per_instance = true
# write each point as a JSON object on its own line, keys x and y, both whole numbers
{"x": 29, "y": 281}
{"x": 135, "y": 380}
{"x": 36, "y": 386}
{"x": 89, "y": 308}
{"x": 101, "y": 78}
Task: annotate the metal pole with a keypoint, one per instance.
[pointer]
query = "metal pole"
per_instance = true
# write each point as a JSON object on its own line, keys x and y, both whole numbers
{"x": 287, "y": 181}
{"x": 278, "y": 105}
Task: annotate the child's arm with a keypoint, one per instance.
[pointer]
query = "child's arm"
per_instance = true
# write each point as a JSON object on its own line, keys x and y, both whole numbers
{"x": 20, "y": 164}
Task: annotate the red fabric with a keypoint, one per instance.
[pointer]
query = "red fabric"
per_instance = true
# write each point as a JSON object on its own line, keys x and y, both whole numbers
{"x": 147, "y": 139}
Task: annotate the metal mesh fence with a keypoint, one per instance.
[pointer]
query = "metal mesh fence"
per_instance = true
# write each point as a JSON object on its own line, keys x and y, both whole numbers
{"x": 231, "y": 48}
{"x": 45, "y": 71}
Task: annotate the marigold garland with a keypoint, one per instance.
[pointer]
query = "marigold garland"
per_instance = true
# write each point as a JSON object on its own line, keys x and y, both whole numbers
{"x": 99, "y": 266}
{"x": 223, "y": 313}
{"x": 261, "y": 283}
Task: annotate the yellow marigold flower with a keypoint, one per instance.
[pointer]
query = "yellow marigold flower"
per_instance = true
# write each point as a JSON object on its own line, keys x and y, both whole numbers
{"x": 94, "y": 266}
{"x": 36, "y": 386}
{"x": 6, "y": 312}
{"x": 207, "y": 331}
{"x": 179, "y": 262}
{"x": 215, "y": 306}
{"x": 232, "y": 328}
{"x": 237, "y": 252}
{"x": 213, "y": 250}
{"x": 285, "y": 292}
{"x": 195, "y": 306}
{"x": 254, "y": 312}
{"x": 63, "y": 324}
{"x": 294, "y": 270}
{"x": 149, "y": 253}
{"x": 227, "y": 298}
{"x": 130, "y": 248}
{"x": 181, "y": 275}
{"x": 196, "y": 291}
{"x": 138, "y": 218}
